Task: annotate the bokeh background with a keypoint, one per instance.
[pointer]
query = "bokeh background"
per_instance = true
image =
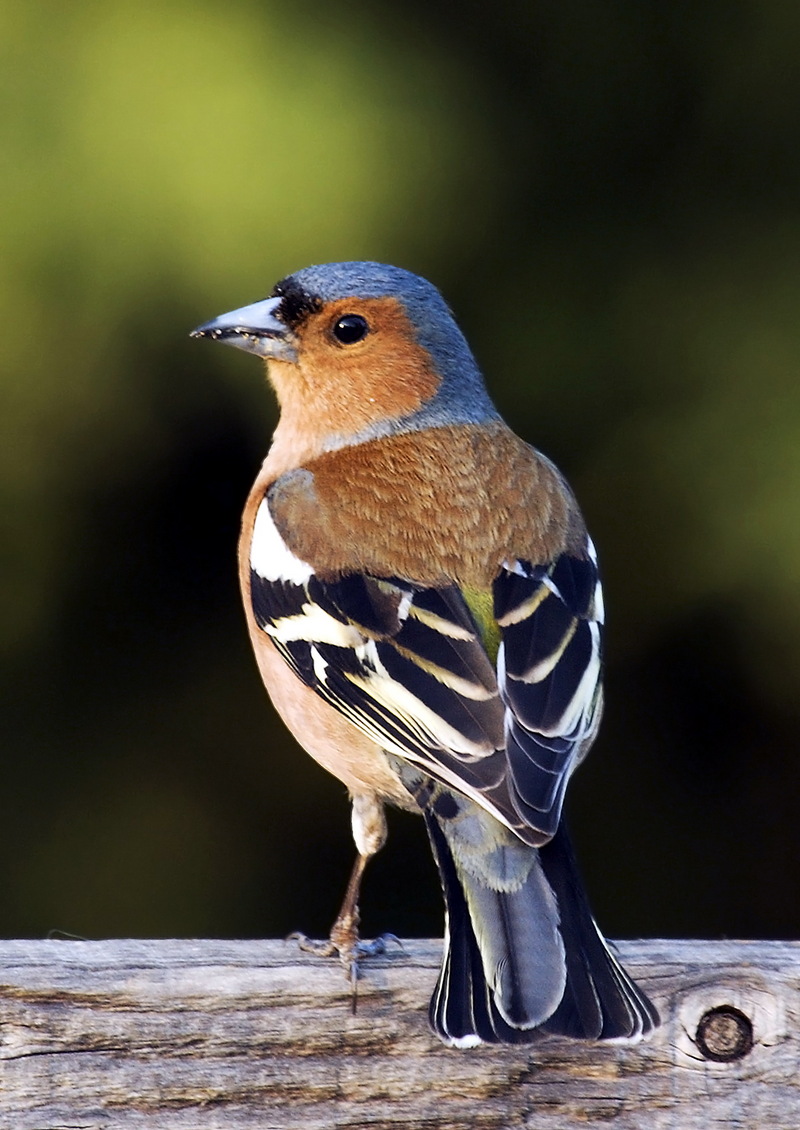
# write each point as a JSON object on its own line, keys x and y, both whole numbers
{"x": 609, "y": 197}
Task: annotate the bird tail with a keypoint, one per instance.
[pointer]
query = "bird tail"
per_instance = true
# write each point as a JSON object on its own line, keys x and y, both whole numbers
{"x": 517, "y": 962}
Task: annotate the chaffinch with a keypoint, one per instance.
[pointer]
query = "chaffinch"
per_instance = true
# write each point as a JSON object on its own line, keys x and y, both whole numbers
{"x": 424, "y": 604}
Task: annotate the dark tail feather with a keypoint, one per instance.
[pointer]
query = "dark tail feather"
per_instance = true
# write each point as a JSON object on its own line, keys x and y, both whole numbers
{"x": 599, "y": 1001}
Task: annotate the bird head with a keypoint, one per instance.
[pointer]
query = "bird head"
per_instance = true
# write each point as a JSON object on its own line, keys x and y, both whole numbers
{"x": 359, "y": 350}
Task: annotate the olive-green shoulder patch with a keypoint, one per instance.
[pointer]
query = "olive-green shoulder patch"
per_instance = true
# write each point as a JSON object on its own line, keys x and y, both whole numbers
{"x": 481, "y": 604}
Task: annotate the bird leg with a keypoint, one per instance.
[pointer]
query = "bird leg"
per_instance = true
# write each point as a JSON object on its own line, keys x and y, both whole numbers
{"x": 369, "y": 832}
{"x": 344, "y": 937}
{"x": 344, "y": 940}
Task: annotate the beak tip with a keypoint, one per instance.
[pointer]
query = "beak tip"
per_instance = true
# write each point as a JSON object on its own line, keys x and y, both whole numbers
{"x": 205, "y": 330}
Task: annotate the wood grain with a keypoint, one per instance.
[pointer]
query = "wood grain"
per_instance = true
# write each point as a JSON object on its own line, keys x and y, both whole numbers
{"x": 195, "y": 1035}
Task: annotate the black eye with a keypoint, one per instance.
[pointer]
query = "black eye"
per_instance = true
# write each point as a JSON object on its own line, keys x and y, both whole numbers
{"x": 351, "y": 328}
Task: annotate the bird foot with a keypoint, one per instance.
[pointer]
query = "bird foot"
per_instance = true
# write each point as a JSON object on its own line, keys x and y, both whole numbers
{"x": 349, "y": 950}
{"x": 345, "y": 944}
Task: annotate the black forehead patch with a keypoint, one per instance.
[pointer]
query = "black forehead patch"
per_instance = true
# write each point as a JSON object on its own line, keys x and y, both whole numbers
{"x": 298, "y": 303}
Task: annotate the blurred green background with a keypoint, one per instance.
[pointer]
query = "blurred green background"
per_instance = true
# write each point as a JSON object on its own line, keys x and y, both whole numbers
{"x": 609, "y": 197}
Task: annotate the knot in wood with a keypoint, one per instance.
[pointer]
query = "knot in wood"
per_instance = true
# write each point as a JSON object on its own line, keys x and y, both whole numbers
{"x": 724, "y": 1034}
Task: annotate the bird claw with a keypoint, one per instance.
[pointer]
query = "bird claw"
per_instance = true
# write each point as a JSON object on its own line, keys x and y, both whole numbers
{"x": 324, "y": 948}
{"x": 376, "y": 946}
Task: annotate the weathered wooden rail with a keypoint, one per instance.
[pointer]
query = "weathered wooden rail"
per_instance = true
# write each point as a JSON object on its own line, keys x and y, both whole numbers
{"x": 195, "y": 1035}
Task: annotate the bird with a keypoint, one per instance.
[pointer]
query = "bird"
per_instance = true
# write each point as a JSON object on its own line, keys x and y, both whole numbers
{"x": 425, "y": 608}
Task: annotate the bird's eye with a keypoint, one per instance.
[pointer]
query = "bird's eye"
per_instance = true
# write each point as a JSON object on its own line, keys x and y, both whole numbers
{"x": 350, "y": 328}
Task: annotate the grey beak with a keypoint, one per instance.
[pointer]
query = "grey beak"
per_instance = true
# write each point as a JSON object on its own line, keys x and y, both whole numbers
{"x": 254, "y": 329}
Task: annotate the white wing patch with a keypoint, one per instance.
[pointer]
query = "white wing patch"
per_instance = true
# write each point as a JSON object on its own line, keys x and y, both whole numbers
{"x": 270, "y": 557}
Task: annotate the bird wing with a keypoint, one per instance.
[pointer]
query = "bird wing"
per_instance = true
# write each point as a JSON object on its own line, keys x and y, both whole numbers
{"x": 549, "y": 668}
{"x": 493, "y": 693}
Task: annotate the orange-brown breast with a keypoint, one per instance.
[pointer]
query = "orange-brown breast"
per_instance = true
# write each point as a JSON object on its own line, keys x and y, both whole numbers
{"x": 436, "y": 506}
